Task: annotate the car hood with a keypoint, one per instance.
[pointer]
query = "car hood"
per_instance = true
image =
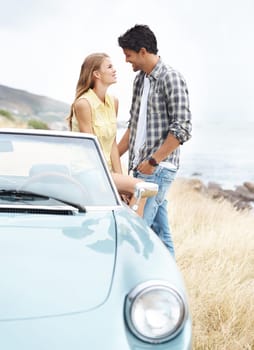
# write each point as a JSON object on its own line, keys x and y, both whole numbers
{"x": 54, "y": 265}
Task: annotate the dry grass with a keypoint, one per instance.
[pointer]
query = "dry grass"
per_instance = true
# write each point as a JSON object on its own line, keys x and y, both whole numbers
{"x": 215, "y": 252}
{"x": 4, "y": 123}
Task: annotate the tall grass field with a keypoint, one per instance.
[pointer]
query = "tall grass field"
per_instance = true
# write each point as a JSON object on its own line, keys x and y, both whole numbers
{"x": 214, "y": 246}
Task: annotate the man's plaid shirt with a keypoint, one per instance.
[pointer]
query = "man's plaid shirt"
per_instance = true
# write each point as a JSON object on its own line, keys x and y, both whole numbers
{"x": 167, "y": 112}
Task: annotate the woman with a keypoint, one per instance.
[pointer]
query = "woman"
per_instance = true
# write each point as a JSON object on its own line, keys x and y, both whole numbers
{"x": 94, "y": 111}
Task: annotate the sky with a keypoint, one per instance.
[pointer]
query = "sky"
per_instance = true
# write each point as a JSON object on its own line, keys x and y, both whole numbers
{"x": 44, "y": 42}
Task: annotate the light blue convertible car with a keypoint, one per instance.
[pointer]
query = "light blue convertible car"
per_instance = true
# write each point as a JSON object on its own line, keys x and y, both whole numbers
{"x": 79, "y": 270}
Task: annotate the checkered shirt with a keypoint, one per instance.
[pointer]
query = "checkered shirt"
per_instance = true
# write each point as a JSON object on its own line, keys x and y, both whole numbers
{"x": 168, "y": 112}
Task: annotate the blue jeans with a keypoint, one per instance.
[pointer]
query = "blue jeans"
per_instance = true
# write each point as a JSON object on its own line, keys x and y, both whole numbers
{"x": 155, "y": 211}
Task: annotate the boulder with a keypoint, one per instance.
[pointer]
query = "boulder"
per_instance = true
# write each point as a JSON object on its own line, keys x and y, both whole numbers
{"x": 243, "y": 192}
{"x": 249, "y": 186}
{"x": 242, "y": 197}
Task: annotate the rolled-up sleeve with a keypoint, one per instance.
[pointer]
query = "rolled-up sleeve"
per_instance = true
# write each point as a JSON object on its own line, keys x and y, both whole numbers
{"x": 178, "y": 106}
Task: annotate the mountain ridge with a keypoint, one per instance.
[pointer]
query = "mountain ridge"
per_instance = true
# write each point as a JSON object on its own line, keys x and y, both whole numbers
{"x": 26, "y": 105}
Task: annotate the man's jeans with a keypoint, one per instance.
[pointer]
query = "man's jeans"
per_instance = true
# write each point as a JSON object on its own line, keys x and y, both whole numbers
{"x": 155, "y": 211}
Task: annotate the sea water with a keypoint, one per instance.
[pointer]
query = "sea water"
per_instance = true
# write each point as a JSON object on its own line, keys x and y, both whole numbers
{"x": 219, "y": 151}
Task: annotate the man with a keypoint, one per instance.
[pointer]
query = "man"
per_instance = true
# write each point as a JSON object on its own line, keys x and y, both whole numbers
{"x": 160, "y": 122}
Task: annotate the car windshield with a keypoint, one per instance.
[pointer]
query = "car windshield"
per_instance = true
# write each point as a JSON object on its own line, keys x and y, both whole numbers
{"x": 68, "y": 166}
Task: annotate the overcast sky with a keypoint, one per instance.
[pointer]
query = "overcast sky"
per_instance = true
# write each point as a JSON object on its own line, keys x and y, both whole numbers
{"x": 44, "y": 42}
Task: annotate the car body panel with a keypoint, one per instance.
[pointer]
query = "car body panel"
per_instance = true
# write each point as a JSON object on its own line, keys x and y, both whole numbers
{"x": 72, "y": 265}
{"x": 65, "y": 276}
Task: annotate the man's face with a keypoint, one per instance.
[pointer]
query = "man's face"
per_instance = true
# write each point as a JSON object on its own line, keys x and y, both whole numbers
{"x": 135, "y": 58}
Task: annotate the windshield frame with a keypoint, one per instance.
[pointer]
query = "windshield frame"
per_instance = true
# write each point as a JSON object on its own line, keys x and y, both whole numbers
{"x": 68, "y": 138}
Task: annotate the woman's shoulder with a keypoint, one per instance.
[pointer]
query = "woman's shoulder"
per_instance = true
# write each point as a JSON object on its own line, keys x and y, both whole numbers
{"x": 81, "y": 104}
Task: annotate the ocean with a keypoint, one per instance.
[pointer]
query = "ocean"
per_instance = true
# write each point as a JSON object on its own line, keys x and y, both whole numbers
{"x": 218, "y": 151}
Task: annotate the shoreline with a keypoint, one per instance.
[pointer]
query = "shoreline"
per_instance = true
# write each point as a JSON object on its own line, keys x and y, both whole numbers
{"x": 241, "y": 198}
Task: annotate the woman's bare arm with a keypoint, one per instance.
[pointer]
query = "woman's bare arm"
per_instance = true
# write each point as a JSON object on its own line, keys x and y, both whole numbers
{"x": 84, "y": 115}
{"x": 115, "y": 157}
{"x": 123, "y": 145}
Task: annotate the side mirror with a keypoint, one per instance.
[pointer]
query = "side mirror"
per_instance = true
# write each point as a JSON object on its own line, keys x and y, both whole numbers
{"x": 144, "y": 190}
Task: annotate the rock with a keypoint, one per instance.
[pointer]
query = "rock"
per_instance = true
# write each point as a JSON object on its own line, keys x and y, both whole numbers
{"x": 242, "y": 198}
{"x": 245, "y": 193}
{"x": 197, "y": 185}
{"x": 196, "y": 173}
{"x": 249, "y": 186}
{"x": 242, "y": 205}
{"x": 214, "y": 185}
{"x": 214, "y": 190}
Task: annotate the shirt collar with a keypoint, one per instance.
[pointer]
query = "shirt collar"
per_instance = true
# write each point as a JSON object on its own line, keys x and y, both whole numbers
{"x": 155, "y": 72}
{"x": 98, "y": 102}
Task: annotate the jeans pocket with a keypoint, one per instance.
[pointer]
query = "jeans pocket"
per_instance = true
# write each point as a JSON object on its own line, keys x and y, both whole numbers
{"x": 168, "y": 175}
{"x": 144, "y": 177}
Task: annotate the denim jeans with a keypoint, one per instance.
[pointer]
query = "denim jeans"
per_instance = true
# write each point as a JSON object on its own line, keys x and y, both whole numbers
{"x": 155, "y": 211}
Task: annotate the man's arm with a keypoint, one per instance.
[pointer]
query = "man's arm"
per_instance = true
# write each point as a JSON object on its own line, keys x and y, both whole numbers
{"x": 169, "y": 145}
{"x": 177, "y": 99}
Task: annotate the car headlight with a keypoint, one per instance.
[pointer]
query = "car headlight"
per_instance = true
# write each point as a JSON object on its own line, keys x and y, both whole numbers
{"x": 155, "y": 312}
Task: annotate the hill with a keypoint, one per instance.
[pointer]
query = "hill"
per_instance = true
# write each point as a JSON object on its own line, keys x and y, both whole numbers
{"x": 24, "y": 106}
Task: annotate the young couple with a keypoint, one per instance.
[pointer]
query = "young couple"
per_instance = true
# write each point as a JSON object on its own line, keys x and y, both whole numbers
{"x": 159, "y": 123}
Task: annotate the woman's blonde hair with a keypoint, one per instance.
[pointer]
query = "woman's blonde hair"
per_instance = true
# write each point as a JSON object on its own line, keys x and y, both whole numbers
{"x": 86, "y": 79}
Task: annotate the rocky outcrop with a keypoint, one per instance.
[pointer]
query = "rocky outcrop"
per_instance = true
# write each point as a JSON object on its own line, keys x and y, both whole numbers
{"x": 242, "y": 197}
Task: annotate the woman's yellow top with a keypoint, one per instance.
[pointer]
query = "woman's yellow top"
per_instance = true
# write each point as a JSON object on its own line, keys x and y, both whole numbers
{"x": 103, "y": 121}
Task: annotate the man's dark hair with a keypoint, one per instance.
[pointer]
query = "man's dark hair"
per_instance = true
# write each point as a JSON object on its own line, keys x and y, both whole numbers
{"x": 137, "y": 37}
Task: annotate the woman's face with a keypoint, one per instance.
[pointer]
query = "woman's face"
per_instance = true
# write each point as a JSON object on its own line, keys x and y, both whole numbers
{"x": 107, "y": 72}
